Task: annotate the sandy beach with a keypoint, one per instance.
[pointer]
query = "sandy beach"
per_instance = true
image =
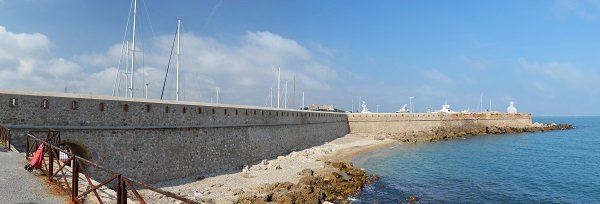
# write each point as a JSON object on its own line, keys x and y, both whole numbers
{"x": 227, "y": 188}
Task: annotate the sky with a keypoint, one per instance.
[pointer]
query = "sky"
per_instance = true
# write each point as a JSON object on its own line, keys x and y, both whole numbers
{"x": 542, "y": 54}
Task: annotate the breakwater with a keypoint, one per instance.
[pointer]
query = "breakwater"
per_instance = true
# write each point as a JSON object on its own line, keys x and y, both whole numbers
{"x": 418, "y": 127}
{"x": 155, "y": 140}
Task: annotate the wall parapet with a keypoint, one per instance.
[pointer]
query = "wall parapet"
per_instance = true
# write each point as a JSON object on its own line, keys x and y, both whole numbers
{"x": 374, "y": 117}
{"x": 93, "y": 111}
{"x": 122, "y": 133}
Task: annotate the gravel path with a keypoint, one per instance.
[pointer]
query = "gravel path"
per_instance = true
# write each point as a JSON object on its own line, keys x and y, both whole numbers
{"x": 19, "y": 186}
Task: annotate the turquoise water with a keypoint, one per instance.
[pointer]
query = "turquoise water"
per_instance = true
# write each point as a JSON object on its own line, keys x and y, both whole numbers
{"x": 551, "y": 167}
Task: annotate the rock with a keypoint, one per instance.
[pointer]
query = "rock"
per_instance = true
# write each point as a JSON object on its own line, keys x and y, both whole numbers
{"x": 216, "y": 185}
{"x": 207, "y": 200}
{"x": 264, "y": 162}
{"x": 238, "y": 191}
{"x": 197, "y": 194}
{"x": 313, "y": 189}
{"x": 225, "y": 202}
{"x": 246, "y": 169}
{"x": 412, "y": 199}
{"x": 326, "y": 202}
{"x": 256, "y": 168}
{"x": 306, "y": 172}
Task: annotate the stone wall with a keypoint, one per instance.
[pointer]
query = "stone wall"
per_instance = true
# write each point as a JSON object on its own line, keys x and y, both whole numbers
{"x": 420, "y": 126}
{"x": 154, "y": 140}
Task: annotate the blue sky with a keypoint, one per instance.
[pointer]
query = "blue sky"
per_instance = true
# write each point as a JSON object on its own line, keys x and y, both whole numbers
{"x": 544, "y": 55}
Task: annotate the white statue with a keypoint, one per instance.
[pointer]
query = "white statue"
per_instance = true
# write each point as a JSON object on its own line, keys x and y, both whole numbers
{"x": 364, "y": 108}
{"x": 511, "y": 108}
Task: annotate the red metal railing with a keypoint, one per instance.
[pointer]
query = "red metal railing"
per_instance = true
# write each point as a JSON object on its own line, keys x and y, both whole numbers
{"x": 5, "y": 137}
{"x": 84, "y": 180}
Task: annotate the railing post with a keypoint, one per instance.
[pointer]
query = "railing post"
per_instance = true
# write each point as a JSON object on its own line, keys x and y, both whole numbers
{"x": 8, "y": 135}
{"x": 27, "y": 146}
{"x": 75, "y": 180}
{"x": 121, "y": 190}
{"x": 50, "y": 162}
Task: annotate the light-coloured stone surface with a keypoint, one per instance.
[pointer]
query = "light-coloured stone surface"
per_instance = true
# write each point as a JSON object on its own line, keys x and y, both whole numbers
{"x": 413, "y": 123}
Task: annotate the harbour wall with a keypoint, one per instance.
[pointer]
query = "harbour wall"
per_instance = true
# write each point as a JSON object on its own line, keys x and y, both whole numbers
{"x": 414, "y": 127}
{"x": 157, "y": 140}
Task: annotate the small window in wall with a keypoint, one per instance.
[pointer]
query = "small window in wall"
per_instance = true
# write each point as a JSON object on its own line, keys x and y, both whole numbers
{"x": 12, "y": 102}
{"x": 225, "y": 111}
{"x": 213, "y": 111}
{"x": 125, "y": 107}
{"x": 74, "y": 105}
{"x": 236, "y": 112}
{"x": 246, "y": 112}
{"x": 199, "y": 110}
{"x": 269, "y": 113}
{"x": 166, "y": 109}
{"x": 45, "y": 104}
{"x": 101, "y": 107}
{"x": 184, "y": 110}
{"x": 254, "y": 112}
{"x": 147, "y": 108}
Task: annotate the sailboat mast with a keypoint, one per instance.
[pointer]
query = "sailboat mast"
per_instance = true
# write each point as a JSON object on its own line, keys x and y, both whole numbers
{"x": 133, "y": 50}
{"x": 285, "y": 96}
{"x": 303, "y": 100}
{"x": 177, "y": 61}
{"x": 278, "y": 84}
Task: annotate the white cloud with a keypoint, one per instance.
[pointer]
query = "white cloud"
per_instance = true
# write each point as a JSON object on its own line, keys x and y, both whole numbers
{"x": 585, "y": 9}
{"x": 437, "y": 76}
{"x": 565, "y": 73}
{"x": 243, "y": 70}
{"x": 474, "y": 63}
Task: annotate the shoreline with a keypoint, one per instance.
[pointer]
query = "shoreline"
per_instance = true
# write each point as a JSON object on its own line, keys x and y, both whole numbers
{"x": 248, "y": 185}
{"x": 319, "y": 174}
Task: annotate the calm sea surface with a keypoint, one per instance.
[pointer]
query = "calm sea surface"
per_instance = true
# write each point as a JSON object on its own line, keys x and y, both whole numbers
{"x": 551, "y": 167}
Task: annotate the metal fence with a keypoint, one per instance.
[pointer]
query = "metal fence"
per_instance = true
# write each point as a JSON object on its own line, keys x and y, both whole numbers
{"x": 86, "y": 181}
{"x": 5, "y": 137}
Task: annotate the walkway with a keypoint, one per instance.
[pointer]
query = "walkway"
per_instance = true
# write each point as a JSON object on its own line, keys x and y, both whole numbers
{"x": 19, "y": 186}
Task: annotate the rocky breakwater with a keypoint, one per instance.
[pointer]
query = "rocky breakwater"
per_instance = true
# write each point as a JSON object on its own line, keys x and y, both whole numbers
{"x": 443, "y": 133}
{"x": 336, "y": 185}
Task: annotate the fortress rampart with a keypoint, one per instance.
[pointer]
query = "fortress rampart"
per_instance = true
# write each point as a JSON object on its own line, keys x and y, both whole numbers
{"x": 156, "y": 140}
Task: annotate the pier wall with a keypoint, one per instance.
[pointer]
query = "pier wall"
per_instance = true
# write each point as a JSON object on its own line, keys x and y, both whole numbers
{"x": 412, "y": 127}
{"x": 154, "y": 140}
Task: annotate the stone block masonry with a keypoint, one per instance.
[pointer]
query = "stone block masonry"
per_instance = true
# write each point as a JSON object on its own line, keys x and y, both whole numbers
{"x": 413, "y": 127}
{"x": 156, "y": 140}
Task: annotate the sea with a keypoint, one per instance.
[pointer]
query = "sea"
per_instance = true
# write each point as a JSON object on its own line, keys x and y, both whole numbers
{"x": 543, "y": 167}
